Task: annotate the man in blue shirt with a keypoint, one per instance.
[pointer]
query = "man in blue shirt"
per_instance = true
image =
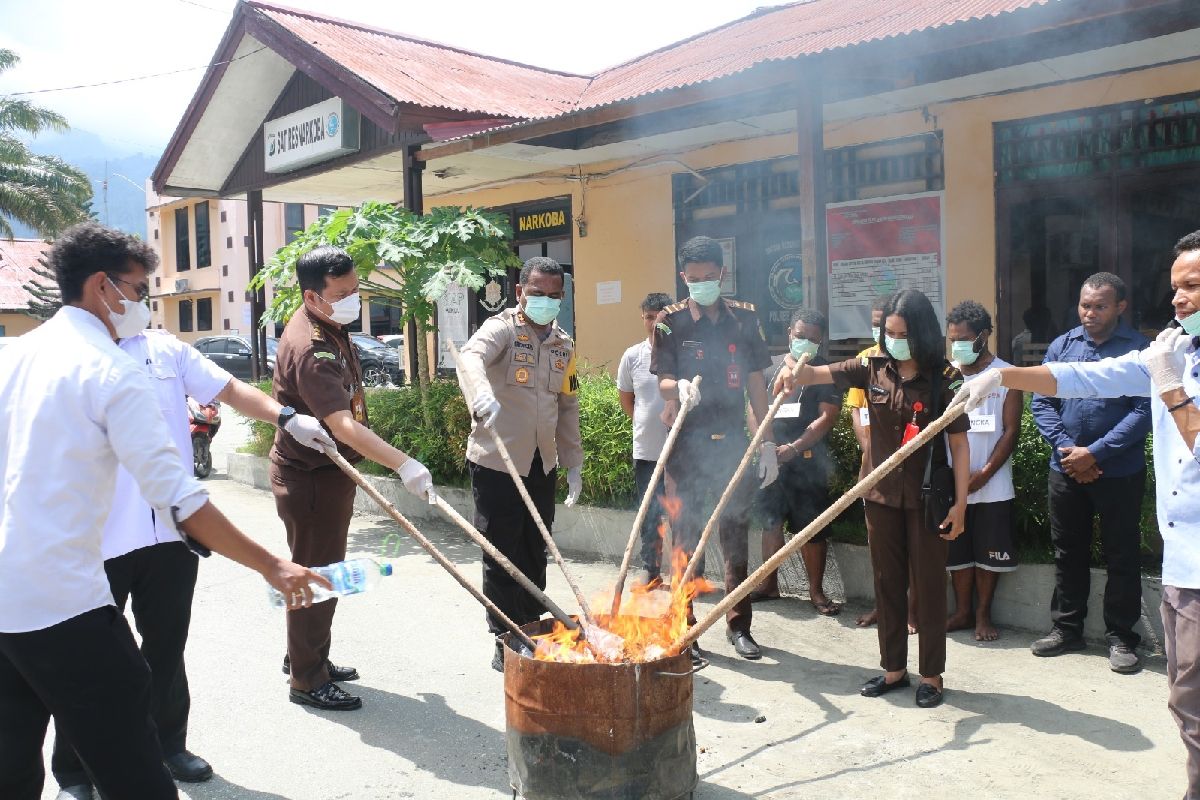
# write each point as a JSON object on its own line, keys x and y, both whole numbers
{"x": 1098, "y": 467}
{"x": 1168, "y": 372}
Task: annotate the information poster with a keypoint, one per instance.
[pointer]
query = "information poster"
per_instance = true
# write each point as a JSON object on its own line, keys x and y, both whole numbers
{"x": 878, "y": 247}
{"x": 452, "y": 323}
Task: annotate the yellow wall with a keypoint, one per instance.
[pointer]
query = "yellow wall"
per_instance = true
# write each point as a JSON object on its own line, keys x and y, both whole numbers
{"x": 15, "y": 324}
{"x": 631, "y": 234}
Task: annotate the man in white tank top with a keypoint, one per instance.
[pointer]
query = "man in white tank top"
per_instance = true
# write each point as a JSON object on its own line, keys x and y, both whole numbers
{"x": 985, "y": 549}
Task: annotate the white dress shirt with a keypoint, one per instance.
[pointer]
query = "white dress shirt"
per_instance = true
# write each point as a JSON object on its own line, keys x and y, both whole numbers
{"x": 633, "y": 375}
{"x": 176, "y": 370}
{"x": 73, "y": 407}
{"x": 1176, "y": 467}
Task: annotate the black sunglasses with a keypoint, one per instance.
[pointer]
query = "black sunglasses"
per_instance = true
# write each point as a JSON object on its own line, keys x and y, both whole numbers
{"x": 142, "y": 289}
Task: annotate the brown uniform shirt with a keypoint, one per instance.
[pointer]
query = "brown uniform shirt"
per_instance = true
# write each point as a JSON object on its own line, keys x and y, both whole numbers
{"x": 890, "y": 404}
{"x": 316, "y": 372}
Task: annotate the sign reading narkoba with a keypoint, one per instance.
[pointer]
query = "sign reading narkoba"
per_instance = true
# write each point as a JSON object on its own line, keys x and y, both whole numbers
{"x": 543, "y": 222}
{"x": 452, "y": 323}
{"x": 880, "y": 247}
{"x": 317, "y": 133}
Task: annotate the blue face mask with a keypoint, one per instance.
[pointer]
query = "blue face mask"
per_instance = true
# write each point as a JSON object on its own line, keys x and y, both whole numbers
{"x": 541, "y": 310}
{"x": 964, "y": 353}
{"x": 1191, "y": 325}
{"x": 897, "y": 348}
{"x": 800, "y": 347}
{"x": 705, "y": 292}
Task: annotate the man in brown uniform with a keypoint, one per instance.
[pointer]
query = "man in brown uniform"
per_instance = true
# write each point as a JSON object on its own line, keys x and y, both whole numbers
{"x": 317, "y": 372}
{"x": 519, "y": 371}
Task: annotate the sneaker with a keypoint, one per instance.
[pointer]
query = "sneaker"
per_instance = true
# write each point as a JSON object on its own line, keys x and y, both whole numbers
{"x": 1122, "y": 659}
{"x": 1056, "y": 643}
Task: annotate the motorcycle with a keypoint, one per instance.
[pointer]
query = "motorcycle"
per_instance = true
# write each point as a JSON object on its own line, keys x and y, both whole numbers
{"x": 204, "y": 422}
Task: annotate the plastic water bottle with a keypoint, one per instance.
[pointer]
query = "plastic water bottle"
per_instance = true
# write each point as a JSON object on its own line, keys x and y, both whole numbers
{"x": 348, "y": 577}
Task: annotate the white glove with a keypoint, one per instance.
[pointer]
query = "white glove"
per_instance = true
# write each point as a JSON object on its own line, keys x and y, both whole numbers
{"x": 416, "y": 478}
{"x": 689, "y": 394}
{"x": 308, "y": 431}
{"x": 976, "y": 390}
{"x": 1166, "y": 359}
{"x": 768, "y": 464}
{"x": 486, "y": 408}
{"x": 574, "y": 485}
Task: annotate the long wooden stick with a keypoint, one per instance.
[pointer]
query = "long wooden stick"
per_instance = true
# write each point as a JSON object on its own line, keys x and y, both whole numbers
{"x": 655, "y": 477}
{"x": 429, "y": 547}
{"x": 529, "y": 504}
{"x": 732, "y": 487}
{"x": 860, "y": 489}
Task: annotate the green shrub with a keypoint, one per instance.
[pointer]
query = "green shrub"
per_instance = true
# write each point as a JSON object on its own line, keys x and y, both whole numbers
{"x": 607, "y": 441}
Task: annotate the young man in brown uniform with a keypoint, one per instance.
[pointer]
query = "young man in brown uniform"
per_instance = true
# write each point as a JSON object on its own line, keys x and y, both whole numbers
{"x": 317, "y": 372}
{"x": 519, "y": 370}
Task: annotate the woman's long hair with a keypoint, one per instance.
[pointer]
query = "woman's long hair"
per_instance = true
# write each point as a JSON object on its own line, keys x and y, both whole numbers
{"x": 925, "y": 338}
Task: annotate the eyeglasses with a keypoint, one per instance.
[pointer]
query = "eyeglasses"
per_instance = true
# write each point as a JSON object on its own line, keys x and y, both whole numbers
{"x": 142, "y": 289}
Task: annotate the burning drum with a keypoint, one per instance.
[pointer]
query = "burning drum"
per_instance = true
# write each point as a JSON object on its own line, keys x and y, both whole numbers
{"x": 589, "y": 731}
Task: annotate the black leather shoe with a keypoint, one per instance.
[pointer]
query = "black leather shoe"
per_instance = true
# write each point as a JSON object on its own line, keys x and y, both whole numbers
{"x": 928, "y": 695}
{"x": 696, "y": 653}
{"x": 336, "y": 673}
{"x": 1057, "y": 642}
{"x": 328, "y": 697}
{"x": 744, "y": 644}
{"x": 879, "y": 686}
{"x": 188, "y": 767}
{"x": 81, "y": 791}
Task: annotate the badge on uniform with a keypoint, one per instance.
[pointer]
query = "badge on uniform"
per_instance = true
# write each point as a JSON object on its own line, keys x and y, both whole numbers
{"x": 733, "y": 374}
{"x": 324, "y": 354}
{"x": 358, "y": 408}
{"x": 559, "y": 365}
{"x": 521, "y": 375}
{"x": 522, "y": 337}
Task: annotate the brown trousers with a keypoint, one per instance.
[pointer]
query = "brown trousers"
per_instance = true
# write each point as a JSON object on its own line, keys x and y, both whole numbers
{"x": 899, "y": 542}
{"x": 1181, "y": 624}
{"x": 315, "y": 507}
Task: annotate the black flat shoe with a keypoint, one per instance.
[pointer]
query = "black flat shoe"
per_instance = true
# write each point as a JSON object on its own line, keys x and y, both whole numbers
{"x": 336, "y": 673}
{"x": 879, "y": 686}
{"x": 929, "y": 695}
{"x": 188, "y": 767}
{"x": 696, "y": 653}
{"x": 744, "y": 644}
{"x": 328, "y": 697}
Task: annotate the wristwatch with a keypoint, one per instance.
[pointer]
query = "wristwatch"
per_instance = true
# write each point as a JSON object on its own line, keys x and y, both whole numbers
{"x": 285, "y": 414}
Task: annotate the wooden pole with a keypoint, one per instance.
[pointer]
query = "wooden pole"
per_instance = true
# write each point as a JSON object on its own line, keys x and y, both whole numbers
{"x": 659, "y": 467}
{"x": 429, "y": 547}
{"x": 860, "y": 489}
{"x": 529, "y": 504}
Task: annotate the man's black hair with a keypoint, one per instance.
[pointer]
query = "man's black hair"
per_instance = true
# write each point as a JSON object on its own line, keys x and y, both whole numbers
{"x": 320, "y": 263}
{"x": 546, "y": 266}
{"x": 925, "y": 339}
{"x": 809, "y": 316}
{"x": 87, "y": 248}
{"x": 1187, "y": 244}
{"x": 881, "y": 302}
{"x": 656, "y": 301}
{"x": 1102, "y": 279}
{"x": 701, "y": 250}
{"x": 971, "y": 314}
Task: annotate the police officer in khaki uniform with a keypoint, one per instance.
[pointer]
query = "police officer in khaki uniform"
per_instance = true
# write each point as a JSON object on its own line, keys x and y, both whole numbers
{"x": 317, "y": 372}
{"x": 721, "y": 340}
{"x": 521, "y": 367}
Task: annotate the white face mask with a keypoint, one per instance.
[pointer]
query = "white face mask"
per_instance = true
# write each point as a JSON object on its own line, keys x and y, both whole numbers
{"x": 132, "y": 320}
{"x": 345, "y": 310}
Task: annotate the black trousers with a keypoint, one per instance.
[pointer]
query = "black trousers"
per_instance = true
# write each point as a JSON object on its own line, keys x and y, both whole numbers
{"x": 501, "y": 516}
{"x": 651, "y": 541}
{"x": 1073, "y": 507}
{"x": 87, "y": 673}
{"x": 160, "y": 580}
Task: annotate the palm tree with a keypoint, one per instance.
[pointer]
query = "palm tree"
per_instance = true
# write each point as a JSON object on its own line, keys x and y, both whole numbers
{"x": 43, "y": 192}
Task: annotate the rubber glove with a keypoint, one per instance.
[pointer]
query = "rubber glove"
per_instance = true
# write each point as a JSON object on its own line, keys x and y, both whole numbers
{"x": 308, "y": 431}
{"x": 768, "y": 464}
{"x": 486, "y": 408}
{"x": 976, "y": 390}
{"x": 1166, "y": 359}
{"x": 574, "y": 485}
{"x": 689, "y": 394}
{"x": 416, "y": 478}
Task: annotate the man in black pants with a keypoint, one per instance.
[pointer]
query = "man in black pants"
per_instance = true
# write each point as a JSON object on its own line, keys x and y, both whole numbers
{"x": 1098, "y": 467}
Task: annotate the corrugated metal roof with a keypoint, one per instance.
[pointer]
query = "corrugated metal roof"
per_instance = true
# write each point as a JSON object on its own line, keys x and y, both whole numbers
{"x": 18, "y": 257}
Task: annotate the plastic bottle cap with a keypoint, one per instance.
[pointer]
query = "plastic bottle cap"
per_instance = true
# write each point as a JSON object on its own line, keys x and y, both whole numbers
{"x": 385, "y": 569}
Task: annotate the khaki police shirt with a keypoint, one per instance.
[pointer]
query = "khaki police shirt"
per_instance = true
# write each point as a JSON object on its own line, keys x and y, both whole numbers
{"x": 317, "y": 373}
{"x": 536, "y": 385}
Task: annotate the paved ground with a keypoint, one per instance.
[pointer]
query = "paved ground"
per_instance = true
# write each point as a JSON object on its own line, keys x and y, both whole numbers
{"x": 432, "y": 726}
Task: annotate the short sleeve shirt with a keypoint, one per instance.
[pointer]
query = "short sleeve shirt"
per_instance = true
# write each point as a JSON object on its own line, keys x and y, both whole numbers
{"x": 725, "y": 353}
{"x": 857, "y": 398}
{"x": 799, "y": 410}
{"x": 890, "y": 404}
{"x": 633, "y": 375}
{"x": 317, "y": 373}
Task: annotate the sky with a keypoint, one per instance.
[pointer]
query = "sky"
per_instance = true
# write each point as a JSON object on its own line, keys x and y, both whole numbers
{"x": 65, "y": 43}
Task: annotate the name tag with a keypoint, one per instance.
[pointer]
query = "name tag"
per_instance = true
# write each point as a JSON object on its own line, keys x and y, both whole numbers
{"x": 864, "y": 416}
{"x": 788, "y": 410}
{"x": 982, "y": 423}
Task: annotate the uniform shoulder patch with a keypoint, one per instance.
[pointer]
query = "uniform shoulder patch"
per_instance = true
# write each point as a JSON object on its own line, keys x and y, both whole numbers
{"x": 325, "y": 354}
{"x": 742, "y": 304}
{"x": 318, "y": 335}
{"x": 671, "y": 309}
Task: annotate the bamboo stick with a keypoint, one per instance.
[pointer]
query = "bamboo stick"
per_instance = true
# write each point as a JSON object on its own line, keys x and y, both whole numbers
{"x": 634, "y": 533}
{"x": 955, "y": 410}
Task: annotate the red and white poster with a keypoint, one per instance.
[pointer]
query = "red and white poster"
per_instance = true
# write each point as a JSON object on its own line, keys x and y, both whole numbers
{"x": 878, "y": 247}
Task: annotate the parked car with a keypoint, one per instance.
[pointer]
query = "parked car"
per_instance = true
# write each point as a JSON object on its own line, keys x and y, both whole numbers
{"x": 233, "y": 354}
{"x": 393, "y": 340}
{"x": 380, "y": 363}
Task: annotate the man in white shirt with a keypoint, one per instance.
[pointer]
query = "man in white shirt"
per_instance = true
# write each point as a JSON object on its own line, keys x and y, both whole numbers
{"x": 75, "y": 407}
{"x": 643, "y": 403}
{"x": 146, "y": 561}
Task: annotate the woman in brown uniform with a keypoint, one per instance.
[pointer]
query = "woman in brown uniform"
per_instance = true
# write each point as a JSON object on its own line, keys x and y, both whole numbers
{"x": 898, "y": 382}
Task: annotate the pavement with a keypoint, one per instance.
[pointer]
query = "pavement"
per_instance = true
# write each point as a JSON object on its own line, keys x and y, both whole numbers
{"x": 789, "y": 726}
